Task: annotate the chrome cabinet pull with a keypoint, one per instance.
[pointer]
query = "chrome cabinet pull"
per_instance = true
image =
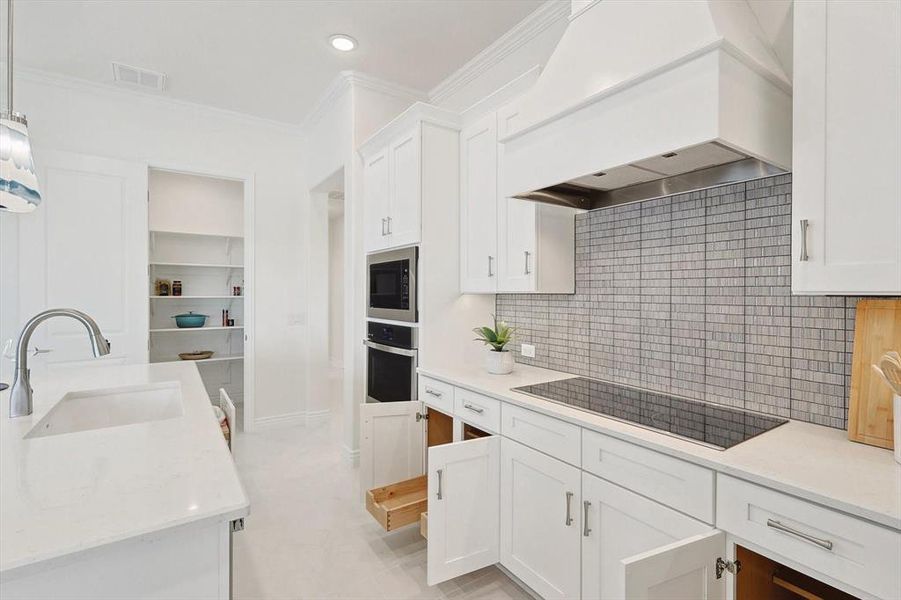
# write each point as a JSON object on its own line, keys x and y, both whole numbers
{"x": 585, "y": 528}
{"x": 490, "y": 266}
{"x": 804, "y": 536}
{"x": 569, "y": 515}
{"x": 439, "y": 472}
{"x": 804, "y": 226}
{"x": 389, "y": 224}
{"x": 432, "y": 392}
{"x": 528, "y": 255}
{"x": 383, "y": 226}
{"x": 474, "y": 408}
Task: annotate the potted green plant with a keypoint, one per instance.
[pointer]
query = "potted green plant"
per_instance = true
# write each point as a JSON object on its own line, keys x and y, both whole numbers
{"x": 498, "y": 359}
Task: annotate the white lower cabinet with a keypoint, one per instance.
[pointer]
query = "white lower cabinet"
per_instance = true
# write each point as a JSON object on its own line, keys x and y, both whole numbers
{"x": 540, "y": 520}
{"x": 463, "y": 495}
{"x": 619, "y": 524}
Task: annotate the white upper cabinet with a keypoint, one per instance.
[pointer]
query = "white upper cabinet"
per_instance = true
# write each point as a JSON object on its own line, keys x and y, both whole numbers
{"x": 376, "y": 194}
{"x": 540, "y": 520}
{"x": 478, "y": 207}
{"x": 392, "y": 192}
{"x": 507, "y": 244}
{"x": 463, "y": 488}
{"x": 405, "y": 184}
{"x": 846, "y": 203}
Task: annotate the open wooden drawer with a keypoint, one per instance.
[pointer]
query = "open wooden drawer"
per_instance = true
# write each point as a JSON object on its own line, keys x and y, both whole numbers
{"x": 400, "y": 503}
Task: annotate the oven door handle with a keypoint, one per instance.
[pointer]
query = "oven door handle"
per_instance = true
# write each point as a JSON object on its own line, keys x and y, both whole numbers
{"x": 390, "y": 349}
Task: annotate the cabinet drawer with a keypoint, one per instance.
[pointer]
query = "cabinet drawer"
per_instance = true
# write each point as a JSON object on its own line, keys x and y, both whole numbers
{"x": 437, "y": 394}
{"x": 681, "y": 485}
{"x": 481, "y": 411}
{"x": 843, "y": 547}
{"x": 558, "y": 438}
{"x": 398, "y": 504}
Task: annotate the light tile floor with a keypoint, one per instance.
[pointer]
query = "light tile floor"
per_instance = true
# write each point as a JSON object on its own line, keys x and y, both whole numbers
{"x": 309, "y": 535}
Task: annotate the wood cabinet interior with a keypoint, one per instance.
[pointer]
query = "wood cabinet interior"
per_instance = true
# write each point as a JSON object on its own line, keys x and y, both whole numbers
{"x": 473, "y": 433}
{"x": 761, "y": 577}
{"x": 439, "y": 428}
{"x": 398, "y": 504}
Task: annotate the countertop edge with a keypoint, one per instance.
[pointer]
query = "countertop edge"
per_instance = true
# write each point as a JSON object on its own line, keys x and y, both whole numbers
{"x": 538, "y": 405}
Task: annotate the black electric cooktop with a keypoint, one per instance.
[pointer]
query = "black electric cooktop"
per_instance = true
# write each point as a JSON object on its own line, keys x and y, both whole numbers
{"x": 713, "y": 425}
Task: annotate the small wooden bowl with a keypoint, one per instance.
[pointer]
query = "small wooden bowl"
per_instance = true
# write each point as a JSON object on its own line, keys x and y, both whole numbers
{"x": 198, "y": 355}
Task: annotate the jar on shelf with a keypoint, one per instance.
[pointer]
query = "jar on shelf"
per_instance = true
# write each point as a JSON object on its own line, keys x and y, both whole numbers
{"x": 176, "y": 288}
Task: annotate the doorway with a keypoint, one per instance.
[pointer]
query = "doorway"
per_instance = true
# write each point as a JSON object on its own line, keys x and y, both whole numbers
{"x": 326, "y": 278}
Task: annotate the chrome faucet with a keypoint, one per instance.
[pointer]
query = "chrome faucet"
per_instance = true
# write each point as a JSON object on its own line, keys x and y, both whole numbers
{"x": 20, "y": 402}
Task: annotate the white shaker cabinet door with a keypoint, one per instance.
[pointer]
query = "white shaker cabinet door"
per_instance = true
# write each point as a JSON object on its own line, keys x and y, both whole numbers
{"x": 682, "y": 570}
{"x": 540, "y": 520}
{"x": 517, "y": 245}
{"x": 404, "y": 223}
{"x": 376, "y": 191}
{"x": 478, "y": 207}
{"x": 392, "y": 442}
{"x": 618, "y": 524}
{"x": 85, "y": 247}
{"x": 846, "y": 181}
{"x": 464, "y": 486}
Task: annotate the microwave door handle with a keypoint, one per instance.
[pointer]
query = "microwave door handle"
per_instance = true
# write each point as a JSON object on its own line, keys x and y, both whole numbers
{"x": 390, "y": 349}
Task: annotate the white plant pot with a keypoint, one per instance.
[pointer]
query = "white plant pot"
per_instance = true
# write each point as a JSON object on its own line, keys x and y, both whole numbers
{"x": 499, "y": 363}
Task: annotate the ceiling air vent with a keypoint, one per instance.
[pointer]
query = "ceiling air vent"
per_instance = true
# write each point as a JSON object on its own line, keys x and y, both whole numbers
{"x": 138, "y": 78}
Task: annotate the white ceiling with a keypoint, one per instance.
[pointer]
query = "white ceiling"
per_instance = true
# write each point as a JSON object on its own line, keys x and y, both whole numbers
{"x": 268, "y": 58}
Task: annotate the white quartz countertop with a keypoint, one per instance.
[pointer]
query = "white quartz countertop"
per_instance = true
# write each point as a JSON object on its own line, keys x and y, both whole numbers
{"x": 66, "y": 494}
{"x": 809, "y": 461}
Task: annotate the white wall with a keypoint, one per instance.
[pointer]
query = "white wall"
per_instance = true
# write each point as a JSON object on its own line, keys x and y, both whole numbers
{"x": 195, "y": 204}
{"x": 84, "y": 118}
{"x": 336, "y": 289}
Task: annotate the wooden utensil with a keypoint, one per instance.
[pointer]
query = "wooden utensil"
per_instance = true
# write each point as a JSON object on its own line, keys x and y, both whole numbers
{"x": 877, "y": 331}
{"x": 891, "y": 370}
{"x": 196, "y": 355}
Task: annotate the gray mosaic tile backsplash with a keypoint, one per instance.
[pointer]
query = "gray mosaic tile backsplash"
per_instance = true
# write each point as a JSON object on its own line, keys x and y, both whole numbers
{"x": 691, "y": 294}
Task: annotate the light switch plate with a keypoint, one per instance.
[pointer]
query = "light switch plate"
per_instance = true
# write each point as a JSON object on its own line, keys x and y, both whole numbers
{"x": 528, "y": 350}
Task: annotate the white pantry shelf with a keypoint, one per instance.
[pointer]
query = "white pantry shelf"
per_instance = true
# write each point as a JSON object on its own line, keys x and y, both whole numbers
{"x": 190, "y": 234}
{"x": 195, "y": 265}
{"x": 173, "y": 329}
{"x": 197, "y": 297}
{"x": 213, "y": 359}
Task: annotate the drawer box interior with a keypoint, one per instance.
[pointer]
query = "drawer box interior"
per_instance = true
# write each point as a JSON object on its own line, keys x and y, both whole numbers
{"x": 398, "y": 504}
{"x": 424, "y": 525}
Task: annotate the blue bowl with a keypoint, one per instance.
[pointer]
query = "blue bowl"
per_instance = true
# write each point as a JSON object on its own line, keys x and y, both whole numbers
{"x": 188, "y": 320}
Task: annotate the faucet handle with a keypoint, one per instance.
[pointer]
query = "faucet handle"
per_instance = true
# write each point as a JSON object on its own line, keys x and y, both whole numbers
{"x": 37, "y": 351}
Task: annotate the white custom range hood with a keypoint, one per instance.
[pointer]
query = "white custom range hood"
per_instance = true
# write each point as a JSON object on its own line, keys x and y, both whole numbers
{"x": 642, "y": 99}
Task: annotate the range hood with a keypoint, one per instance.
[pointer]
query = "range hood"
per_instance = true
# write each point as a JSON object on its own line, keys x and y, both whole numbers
{"x": 644, "y": 99}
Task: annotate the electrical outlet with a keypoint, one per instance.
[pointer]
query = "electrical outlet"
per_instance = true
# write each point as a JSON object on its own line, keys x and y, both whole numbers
{"x": 528, "y": 350}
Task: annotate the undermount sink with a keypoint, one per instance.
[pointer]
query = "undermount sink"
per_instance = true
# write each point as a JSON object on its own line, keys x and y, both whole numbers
{"x": 111, "y": 407}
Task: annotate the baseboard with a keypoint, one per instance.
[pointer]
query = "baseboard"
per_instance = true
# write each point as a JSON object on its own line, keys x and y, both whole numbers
{"x": 315, "y": 417}
{"x": 518, "y": 582}
{"x": 298, "y": 418}
{"x": 351, "y": 456}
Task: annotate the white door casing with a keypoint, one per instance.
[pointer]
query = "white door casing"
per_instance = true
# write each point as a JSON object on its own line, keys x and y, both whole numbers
{"x": 85, "y": 247}
{"x": 464, "y": 517}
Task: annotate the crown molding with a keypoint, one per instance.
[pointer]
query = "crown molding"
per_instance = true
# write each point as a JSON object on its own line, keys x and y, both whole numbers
{"x": 346, "y": 80}
{"x": 83, "y": 85}
{"x": 540, "y": 19}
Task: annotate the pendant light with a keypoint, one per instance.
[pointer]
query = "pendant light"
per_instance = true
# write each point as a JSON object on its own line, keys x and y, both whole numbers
{"x": 18, "y": 181}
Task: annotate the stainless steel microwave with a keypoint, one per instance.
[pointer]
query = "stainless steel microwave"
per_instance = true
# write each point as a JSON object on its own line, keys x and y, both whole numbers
{"x": 391, "y": 280}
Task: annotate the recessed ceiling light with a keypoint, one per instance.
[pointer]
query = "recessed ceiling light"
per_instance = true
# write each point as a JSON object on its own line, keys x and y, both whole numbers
{"x": 342, "y": 42}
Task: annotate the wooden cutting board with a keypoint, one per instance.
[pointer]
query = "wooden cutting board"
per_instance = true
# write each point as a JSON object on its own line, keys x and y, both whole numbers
{"x": 877, "y": 328}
